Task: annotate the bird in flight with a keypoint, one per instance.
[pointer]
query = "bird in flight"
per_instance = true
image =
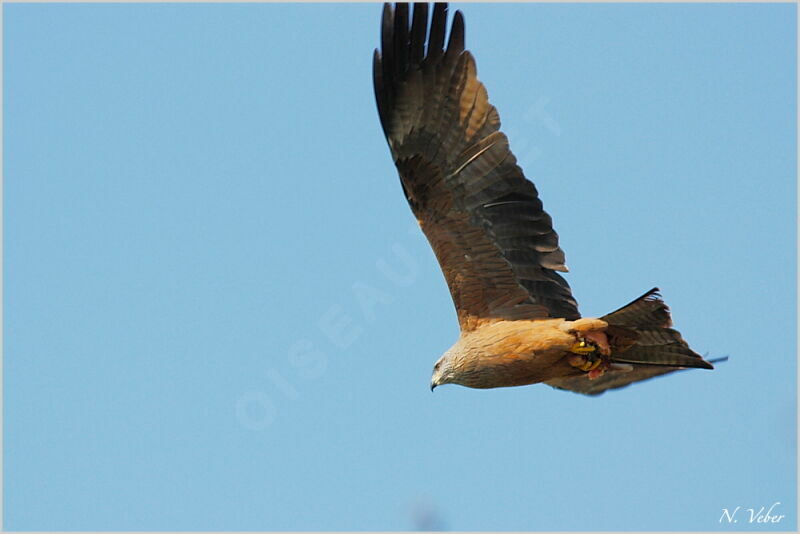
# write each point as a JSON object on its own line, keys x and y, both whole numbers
{"x": 494, "y": 242}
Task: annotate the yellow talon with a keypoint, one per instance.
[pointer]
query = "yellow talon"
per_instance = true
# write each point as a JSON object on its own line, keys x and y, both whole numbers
{"x": 582, "y": 360}
{"x": 593, "y": 365}
{"x": 582, "y": 347}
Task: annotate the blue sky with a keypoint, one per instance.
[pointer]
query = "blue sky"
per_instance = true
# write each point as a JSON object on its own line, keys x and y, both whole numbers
{"x": 220, "y": 314}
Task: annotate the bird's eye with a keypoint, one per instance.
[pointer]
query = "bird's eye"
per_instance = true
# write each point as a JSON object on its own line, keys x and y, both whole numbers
{"x": 436, "y": 367}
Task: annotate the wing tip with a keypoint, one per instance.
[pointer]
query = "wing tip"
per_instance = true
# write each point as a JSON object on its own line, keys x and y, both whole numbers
{"x": 455, "y": 45}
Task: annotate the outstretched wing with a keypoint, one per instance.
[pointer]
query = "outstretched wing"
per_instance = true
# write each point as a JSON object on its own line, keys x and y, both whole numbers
{"x": 610, "y": 380}
{"x": 615, "y": 379}
{"x": 484, "y": 220}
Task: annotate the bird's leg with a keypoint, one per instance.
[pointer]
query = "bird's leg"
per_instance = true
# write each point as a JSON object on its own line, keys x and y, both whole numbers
{"x": 592, "y": 362}
{"x": 585, "y": 361}
{"x": 589, "y": 334}
{"x": 599, "y": 339}
{"x": 591, "y": 349}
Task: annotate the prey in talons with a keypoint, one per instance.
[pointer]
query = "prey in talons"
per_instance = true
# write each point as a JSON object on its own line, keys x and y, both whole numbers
{"x": 591, "y": 354}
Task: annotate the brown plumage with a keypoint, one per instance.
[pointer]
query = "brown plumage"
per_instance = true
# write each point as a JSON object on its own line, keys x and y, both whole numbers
{"x": 495, "y": 244}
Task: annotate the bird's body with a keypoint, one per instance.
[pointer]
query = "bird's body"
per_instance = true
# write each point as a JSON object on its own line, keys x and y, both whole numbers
{"x": 516, "y": 353}
{"x": 496, "y": 245}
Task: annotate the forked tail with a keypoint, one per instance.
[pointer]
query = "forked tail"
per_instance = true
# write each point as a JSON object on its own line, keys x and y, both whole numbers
{"x": 641, "y": 333}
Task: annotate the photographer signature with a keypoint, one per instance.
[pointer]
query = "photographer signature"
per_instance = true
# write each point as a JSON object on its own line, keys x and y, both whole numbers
{"x": 752, "y": 515}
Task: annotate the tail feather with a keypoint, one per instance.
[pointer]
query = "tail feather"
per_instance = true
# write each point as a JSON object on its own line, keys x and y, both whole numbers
{"x": 657, "y": 336}
{"x": 640, "y": 332}
{"x": 646, "y": 311}
{"x": 672, "y": 355}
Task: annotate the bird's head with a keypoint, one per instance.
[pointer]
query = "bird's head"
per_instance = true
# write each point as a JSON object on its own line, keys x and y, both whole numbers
{"x": 443, "y": 372}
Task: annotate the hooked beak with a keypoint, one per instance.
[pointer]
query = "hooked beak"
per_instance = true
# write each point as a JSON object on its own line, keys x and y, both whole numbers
{"x": 433, "y": 385}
